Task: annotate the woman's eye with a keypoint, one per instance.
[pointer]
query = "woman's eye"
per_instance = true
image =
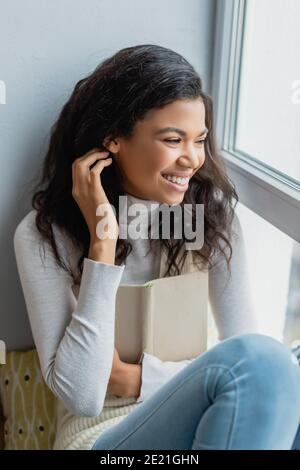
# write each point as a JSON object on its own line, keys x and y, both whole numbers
{"x": 176, "y": 141}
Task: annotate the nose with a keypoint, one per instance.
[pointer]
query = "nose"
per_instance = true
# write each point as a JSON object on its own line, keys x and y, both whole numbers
{"x": 191, "y": 160}
{"x": 191, "y": 163}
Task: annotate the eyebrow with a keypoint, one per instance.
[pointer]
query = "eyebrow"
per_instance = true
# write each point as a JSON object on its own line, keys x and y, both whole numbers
{"x": 179, "y": 131}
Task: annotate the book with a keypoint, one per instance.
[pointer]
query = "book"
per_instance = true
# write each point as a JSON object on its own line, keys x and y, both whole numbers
{"x": 166, "y": 317}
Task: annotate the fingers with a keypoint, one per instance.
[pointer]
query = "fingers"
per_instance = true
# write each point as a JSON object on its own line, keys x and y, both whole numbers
{"x": 80, "y": 166}
{"x": 89, "y": 155}
{"x": 98, "y": 167}
{"x": 96, "y": 171}
{"x": 83, "y": 163}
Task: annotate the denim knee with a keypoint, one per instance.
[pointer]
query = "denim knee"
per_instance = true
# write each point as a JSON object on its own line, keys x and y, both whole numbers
{"x": 267, "y": 354}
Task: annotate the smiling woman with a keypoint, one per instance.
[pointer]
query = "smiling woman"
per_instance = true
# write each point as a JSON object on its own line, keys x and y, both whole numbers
{"x": 124, "y": 107}
{"x": 162, "y": 142}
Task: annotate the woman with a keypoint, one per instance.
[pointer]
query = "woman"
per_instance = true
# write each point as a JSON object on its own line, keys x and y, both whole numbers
{"x": 240, "y": 394}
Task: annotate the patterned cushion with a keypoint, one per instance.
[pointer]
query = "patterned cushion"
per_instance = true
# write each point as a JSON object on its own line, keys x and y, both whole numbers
{"x": 28, "y": 404}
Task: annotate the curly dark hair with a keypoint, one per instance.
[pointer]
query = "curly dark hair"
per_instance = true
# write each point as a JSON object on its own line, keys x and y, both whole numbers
{"x": 108, "y": 102}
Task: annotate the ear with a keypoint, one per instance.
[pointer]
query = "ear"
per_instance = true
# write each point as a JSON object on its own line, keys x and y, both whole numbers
{"x": 111, "y": 145}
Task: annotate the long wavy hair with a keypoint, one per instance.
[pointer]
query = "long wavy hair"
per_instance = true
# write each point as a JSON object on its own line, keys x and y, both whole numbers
{"x": 108, "y": 102}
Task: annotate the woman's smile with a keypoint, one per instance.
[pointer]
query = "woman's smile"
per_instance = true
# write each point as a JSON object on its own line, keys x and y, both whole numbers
{"x": 180, "y": 185}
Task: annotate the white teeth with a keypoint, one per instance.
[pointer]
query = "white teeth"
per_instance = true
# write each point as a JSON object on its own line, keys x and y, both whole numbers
{"x": 176, "y": 179}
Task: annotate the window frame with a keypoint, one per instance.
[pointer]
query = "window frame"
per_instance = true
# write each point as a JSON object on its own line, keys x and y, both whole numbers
{"x": 269, "y": 193}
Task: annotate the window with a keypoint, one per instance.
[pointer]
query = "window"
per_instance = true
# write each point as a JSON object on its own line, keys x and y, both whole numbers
{"x": 256, "y": 94}
{"x": 270, "y": 259}
{"x": 268, "y": 115}
{"x": 257, "y": 107}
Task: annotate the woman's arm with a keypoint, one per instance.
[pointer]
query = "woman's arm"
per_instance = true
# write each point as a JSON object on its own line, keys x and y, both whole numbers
{"x": 74, "y": 341}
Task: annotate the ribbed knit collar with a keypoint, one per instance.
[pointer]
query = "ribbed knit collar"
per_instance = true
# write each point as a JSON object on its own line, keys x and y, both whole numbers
{"x": 144, "y": 215}
{"x": 149, "y": 204}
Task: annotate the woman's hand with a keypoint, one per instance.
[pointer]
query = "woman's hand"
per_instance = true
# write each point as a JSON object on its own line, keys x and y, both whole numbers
{"x": 125, "y": 379}
{"x": 89, "y": 194}
{"x": 117, "y": 363}
{"x": 116, "y": 371}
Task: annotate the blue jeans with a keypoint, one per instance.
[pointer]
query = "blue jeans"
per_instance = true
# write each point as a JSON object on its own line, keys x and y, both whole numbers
{"x": 243, "y": 393}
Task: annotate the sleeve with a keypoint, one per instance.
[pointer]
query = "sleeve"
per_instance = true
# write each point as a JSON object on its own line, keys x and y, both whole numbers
{"x": 155, "y": 373}
{"x": 230, "y": 294}
{"x": 74, "y": 339}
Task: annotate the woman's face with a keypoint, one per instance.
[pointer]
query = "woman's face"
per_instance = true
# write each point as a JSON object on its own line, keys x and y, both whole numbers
{"x": 151, "y": 155}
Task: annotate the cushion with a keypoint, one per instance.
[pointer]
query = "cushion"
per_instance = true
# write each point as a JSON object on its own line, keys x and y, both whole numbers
{"x": 28, "y": 405}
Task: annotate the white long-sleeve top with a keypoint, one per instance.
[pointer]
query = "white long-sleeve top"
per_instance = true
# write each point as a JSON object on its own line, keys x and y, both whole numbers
{"x": 75, "y": 339}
